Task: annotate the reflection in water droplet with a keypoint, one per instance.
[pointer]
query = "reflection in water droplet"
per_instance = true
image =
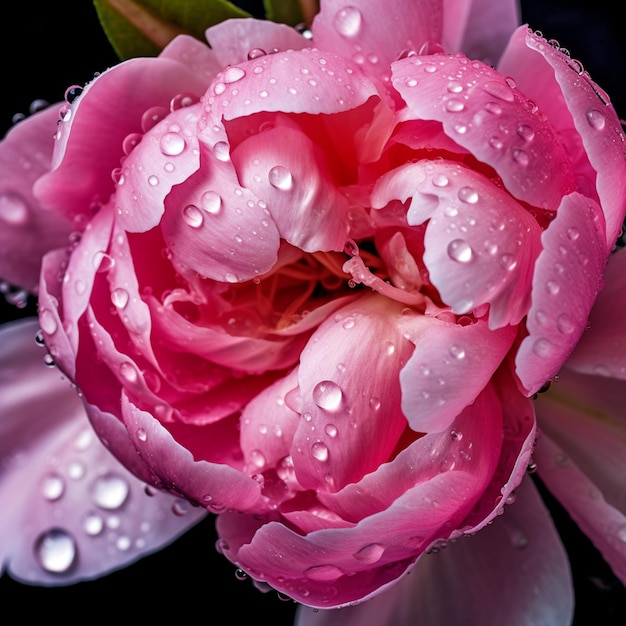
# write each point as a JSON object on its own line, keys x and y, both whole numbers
{"x": 13, "y": 209}
{"x": 280, "y": 178}
{"x": 52, "y": 486}
{"x": 319, "y": 450}
{"x": 211, "y": 202}
{"x": 56, "y": 551}
{"x": 93, "y": 524}
{"x": 193, "y": 216}
{"x": 348, "y": 21}
{"x": 323, "y": 572}
{"x": 119, "y": 297}
{"x": 460, "y": 251}
{"x": 369, "y": 553}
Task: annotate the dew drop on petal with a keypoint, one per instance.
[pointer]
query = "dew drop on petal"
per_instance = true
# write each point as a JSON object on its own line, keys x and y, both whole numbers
{"x": 319, "y": 450}
{"x": 348, "y": 21}
{"x": 93, "y": 524}
{"x": 221, "y": 151}
{"x": 110, "y": 491}
{"x": 280, "y": 178}
{"x": 457, "y": 352}
{"x": 460, "y": 251}
{"x": 47, "y": 322}
{"x": 172, "y": 144}
{"x": 468, "y": 195}
{"x": 371, "y": 553}
{"x": 52, "y": 486}
{"x": 211, "y": 202}
{"x": 596, "y": 119}
{"x": 323, "y": 572}
{"x": 56, "y": 550}
{"x": 328, "y": 395}
{"x": 233, "y": 74}
{"x": 255, "y": 53}
{"x": 120, "y": 297}
{"x": 13, "y": 209}
{"x": 193, "y": 216}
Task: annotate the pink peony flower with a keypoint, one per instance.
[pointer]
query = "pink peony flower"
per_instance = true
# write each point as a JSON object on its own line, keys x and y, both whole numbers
{"x": 319, "y": 281}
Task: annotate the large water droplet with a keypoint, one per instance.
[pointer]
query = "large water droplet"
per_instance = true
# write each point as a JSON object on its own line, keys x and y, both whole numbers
{"x": 110, "y": 491}
{"x": 119, "y": 297}
{"x": 348, "y": 21}
{"x": 370, "y": 553}
{"x": 323, "y": 572}
{"x": 56, "y": 550}
{"x": 319, "y": 450}
{"x": 52, "y": 486}
{"x": 328, "y": 395}
{"x": 93, "y": 524}
{"x": 172, "y": 144}
{"x": 233, "y": 74}
{"x": 211, "y": 202}
{"x": 193, "y": 216}
{"x": 13, "y": 209}
{"x": 469, "y": 195}
{"x": 221, "y": 151}
{"x": 280, "y": 178}
{"x": 460, "y": 251}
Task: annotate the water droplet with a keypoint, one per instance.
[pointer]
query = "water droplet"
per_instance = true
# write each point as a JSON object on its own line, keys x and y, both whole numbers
{"x": 129, "y": 372}
{"x": 371, "y": 553}
{"x": 13, "y": 209}
{"x": 573, "y": 233}
{"x": 440, "y": 180}
{"x": 233, "y": 74}
{"x": 323, "y": 572}
{"x": 499, "y": 90}
{"x": 331, "y": 430}
{"x": 257, "y": 458}
{"x": 120, "y": 297}
{"x": 456, "y": 435}
{"x": 47, "y": 322}
{"x": 153, "y": 180}
{"x": 142, "y": 435}
{"x": 460, "y": 251}
{"x": 180, "y": 507}
{"x": 221, "y": 151}
{"x": 319, "y": 450}
{"x": 521, "y": 157}
{"x": 375, "y": 403}
{"x": 211, "y": 202}
{"x": 348, "y": 21}
{"x": 518, "y": 539}
{"x": 255, "y": 53}
{"x": 552, "y": 287}
{"x": 564, "y": 324}
{"x": 525, "y": 132}
{"x": 280, "y": 178}
{"x": 596, "y": 119}
{"x": 172, "y": 144}
{"x": 328, "y": 395}
{"x": 457, "y": 352}
{"x": 193, "y": 216}
{"x": 56, "y": 550}
{"x": 542, "y": 347}
{"x": 110, "y": 491}
{"x": 93, "y": 524}
{"x": 468, "y": 195}
{"x": 454, "y": 105}
{"x": 52, "y": 486}
{"x": 508, "y": 262}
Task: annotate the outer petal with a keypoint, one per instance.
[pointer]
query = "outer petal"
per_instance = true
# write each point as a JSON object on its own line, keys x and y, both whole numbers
{"x": 567, "y": 279}
{"x": 513, "y": 572}
{"x": 493, "y": 120}
{"x": 374, "y": 35}
{"x": 581, "y": 457}
{"x": 70, "y": 511}
{"x": 602, "y": 347}
{"x": 233, "y": 40}
{"x": 111, "y": 108}
{"x": 586, "y": 109}
{"x": 27, "y": 229}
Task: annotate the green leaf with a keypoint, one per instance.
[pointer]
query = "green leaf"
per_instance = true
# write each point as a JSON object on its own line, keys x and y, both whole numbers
{"x": 144, "y": 27}
{"x": 284, "y": 11}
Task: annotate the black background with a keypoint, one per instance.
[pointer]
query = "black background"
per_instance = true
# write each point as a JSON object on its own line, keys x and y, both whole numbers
{"x": 45, "y": 47}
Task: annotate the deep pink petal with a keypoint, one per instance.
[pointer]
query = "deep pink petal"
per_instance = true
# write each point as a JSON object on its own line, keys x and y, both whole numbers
{"x": 234, "y": 40}
{"x": 513, "y": 572}
{"x": 568, "y": 276}
{"x": 581, "y": 457}
{"x": 448, "y": 369}
{"x": 114, "y": 104}
{"x": 602, "y": 347}
{"x": 71, "y": 512}
{"x": 340, "y": 436}
{"x": 572, "y": 99}
{"x": 493, "y": 120}
{"x": 27, "y": 229}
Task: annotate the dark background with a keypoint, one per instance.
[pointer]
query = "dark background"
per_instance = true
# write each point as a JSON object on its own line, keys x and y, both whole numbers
{"x": 45, "y": 47}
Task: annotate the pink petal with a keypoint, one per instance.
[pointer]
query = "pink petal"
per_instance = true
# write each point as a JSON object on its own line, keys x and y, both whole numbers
{"x": 567, "y": 279}
{"x": 581, "y": 457}
{"x": 27, "y": 229}
{"x": 514, "y": 572}
{"x": 340, "y": 436}
{"x": 492, "y": 120}
{"x": 285, "y": 168}
{"x": 602, "y": 347}
{"x": 234, "y": 41}
{"x": 480, "y": 245}
{"x": 75, "y": 513}
{"x": 575, "y": 102}
{"x": 110, "y": 109}
{"x": 216, "y": 228}
{"x": 374, "y": 34}
{"x": 449, "y": 367}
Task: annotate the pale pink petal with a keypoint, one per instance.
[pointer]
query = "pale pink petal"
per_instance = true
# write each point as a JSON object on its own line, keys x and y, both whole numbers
{"x": 234, "y": 41}
{"x": 568, "y": 276}
{"x": 166, "y": 156}
{"x": 285, "y": 168}
{"x": 214, "y": 227}
{"x": 581, "y": 457}
{"x": 513, "y": 572}
{"x": 579, "y": 105}
{"x": 602, "y": 347}
{"x": 71, "y": 512}
{"x": 27, "y": 229}
{"x": 374, "y": 34}
{"x": 110, "y": 109}
{"x": 341, "y": 436}
{"x": 489, "y": 26}
{"x": 448, "y": 369}
{"x": 491, "y": 119}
